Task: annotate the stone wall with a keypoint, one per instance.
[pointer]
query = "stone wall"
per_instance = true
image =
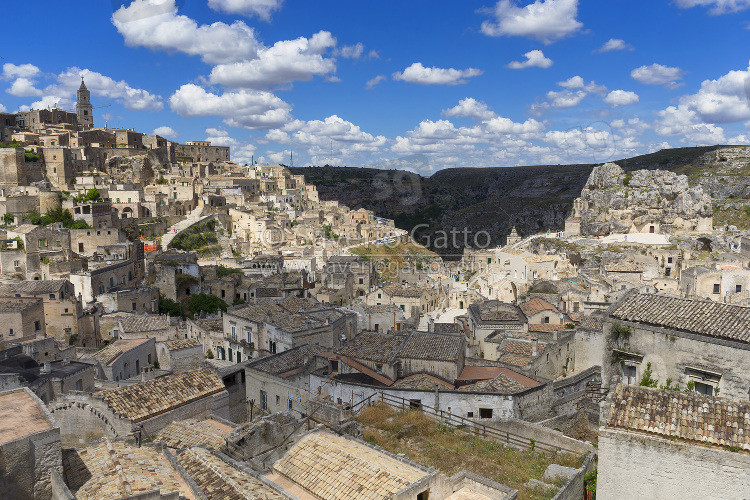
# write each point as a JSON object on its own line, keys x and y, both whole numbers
{"x": 573, "y": 489}
{"x": 217, "y": 404}
{"x": 84, "y": 419}
{"x": 636, "y": 466}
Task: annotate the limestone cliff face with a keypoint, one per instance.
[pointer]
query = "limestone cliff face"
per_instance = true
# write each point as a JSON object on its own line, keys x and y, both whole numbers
{"x": 615, "y": 202}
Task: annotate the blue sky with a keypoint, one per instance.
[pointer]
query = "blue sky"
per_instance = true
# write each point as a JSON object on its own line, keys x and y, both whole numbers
{"x": 409, "y": 84}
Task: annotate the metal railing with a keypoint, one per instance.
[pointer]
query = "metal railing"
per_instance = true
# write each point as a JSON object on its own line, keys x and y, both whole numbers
{"x": 468, "y": 425}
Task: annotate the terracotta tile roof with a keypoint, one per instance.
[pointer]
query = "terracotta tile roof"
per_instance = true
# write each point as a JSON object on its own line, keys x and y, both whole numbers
{"x": 537, "y": 305}
{"x": 141, "y": 401}
{"x": 366, "y": 370}
{"x": 211, "y": 324}
{"x": 376, "y": 347}
{"x": 479, "y": 372}
{"x": 112, "y": 469}
{"x": 20, "y": 415}
{"x": 219, "y": 480}
{"x": 546, "y": 327}
{"x": 288, "y": 360}
{"x": 516, "y": 360}
{"x": 709, "y": 318}
{"x": 176, "y": 345}
{"x": 685, "y": 416}
{"x": 502, "y": 384}
{"x": 594, "y": 323}
{"x": 330, "y": 466}
{"x": 434, "y": 346}
{"x": 422, "y": 381}
{"x": 136, "y": 323}
{"x": 191, "y": 432}
{"x": 31, "y": 287}
{"x": 397, "y": 290}
{"x": 454, "y": 328}
{"x": 517, "y": 347}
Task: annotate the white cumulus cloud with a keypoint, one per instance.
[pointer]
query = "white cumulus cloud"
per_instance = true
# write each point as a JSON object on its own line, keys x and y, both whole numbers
{"x": 543, "y": 20}
{"x": 167, "y": 132}
{"x": 614, "y": 44}
{"x": 261, "y": 8}
{"x": 11, "y": 71}
{"x": 470, "y": 108}
{"x": 155, "y": 24}
{"x": 658, "y": 74}
{"x": 621, "y": 98}
{"x": 417, "y": 73}
{"x": 717, "y": 6}
{"x": 24, "y": 87}
{"x": 534, "y": 59}
{"x": 133, "y": 99}
{"x": 351, "y": 51}
{"x": 286, "y": 61}
{"x": 244, "y": 108}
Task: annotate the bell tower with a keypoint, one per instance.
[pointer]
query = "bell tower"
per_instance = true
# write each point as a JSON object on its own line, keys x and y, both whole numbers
{"x": 84, "y": 110}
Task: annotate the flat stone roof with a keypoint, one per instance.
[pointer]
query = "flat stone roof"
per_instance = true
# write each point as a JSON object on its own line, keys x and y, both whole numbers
{"x": 20, "y": 415}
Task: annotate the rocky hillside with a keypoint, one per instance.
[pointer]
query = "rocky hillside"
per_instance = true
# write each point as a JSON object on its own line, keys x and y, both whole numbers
{"x": 533, "y": 198}
{"x": 615, "y": 202}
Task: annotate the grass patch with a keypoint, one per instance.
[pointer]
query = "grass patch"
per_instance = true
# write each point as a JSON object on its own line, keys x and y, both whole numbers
{"x": 452, "y": 450}
{"x": 200, "y": 237}
{"x": 727, "y": 215}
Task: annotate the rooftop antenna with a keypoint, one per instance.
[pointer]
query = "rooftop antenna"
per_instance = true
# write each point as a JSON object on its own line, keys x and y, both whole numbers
{"x": 291, "y": 158}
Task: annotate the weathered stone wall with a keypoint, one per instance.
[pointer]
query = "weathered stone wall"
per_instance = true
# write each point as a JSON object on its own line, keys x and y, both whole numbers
{"x": 83, "y": 420}
{"x": 573, "y": 489}
{"x": 637, "y": 466}
{"x": 218, "y": 405}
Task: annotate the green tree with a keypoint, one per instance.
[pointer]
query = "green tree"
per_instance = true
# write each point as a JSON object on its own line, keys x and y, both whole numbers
{"x": 206, "y": 303}
{"x": 647, "y": 380}
{"x": 8, "y": 219}
{"x": 169, "y": 306}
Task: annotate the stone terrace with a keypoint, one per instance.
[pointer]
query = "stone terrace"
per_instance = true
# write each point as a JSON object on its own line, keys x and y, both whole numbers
{"x": 20, "y": 415}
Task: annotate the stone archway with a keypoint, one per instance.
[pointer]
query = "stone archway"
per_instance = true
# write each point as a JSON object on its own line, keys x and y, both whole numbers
{"x": 82, "y": 423}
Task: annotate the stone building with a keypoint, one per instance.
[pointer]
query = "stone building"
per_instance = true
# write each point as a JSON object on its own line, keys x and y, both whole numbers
{"x": 180, "y": 355}
{"x": 691, "y": 342}
{"x": 62, "y": 310}
{"x": 21, "y": 317}
{"x": 665, "y": 444}
{"x": 29, "y": 445}
{"x": 123, "y": 359}
{"x": 488, "y": 317}
{"x": 721, "y": 283}
{"x": 147, "y": 407}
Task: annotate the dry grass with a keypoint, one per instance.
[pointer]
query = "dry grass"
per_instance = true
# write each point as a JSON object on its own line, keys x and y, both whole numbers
{"x": 451, "y": 451}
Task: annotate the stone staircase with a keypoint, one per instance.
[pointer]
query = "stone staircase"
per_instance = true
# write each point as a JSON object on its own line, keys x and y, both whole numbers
{"x": 172, "y": 231}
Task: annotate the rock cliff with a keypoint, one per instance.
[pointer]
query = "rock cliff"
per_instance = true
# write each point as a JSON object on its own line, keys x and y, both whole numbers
{"x": 613, "y": 201}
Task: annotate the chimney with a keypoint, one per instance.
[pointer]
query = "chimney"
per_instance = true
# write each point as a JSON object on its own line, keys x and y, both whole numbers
{"x": 66, "y": 361}
{"x": 555, "y": 334}
{"x": 534, "y": 347}
{"x": 47, "y": 367}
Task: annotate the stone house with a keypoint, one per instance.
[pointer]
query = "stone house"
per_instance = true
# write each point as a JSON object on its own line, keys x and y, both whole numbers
{"x": 208, "y": 331}
{"x": 279, "y": 382}
{"x": 721, "y": 283}
{"x": 275, "y": 328}
{"x": 414, "y": 301}
{"x": 658, "y": 443}
{"x": 137, "y": 299}
{"x": 22, "y": 317}
{"x": 123, "y": 359}
{"x": 125, "y": 325}
{"x": 180, "y": 355}
{"x": 103, "y": 277}
{"x": 86, "y": 241}
{"x": 62, "y": 310}
{"x": 40, "y": 244}
{"x": 350, "y": 273}
{"x": 382, "y": 318}
{"x": 688, "y": 341}
{"x": 490, "y": 316}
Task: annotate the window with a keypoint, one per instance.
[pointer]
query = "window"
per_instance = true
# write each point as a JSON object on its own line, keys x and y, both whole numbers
{"x": 290, "y": 403}
{"x": 11, "y": 332}
{"x": 546, "y": 319}
{"x": 576, "y": 306}
{"x": 263, "y": 401}
{"x": 278, "y": 400}
{"x": 702, "y": 388}
{"x": 115, "y": 333}
{"x": 135, "y": 306}
{"x": 628, "y": 374}
{"x": 738, "y": 288}
{"x": 230, "y": 353}
{"x": 149, "y": 359}
{"x": 79, "y": 384}
{"x": 668, "y": 271}
{"x": 137, "y": 366}
{"x": 485, "y": 413}
{"x": 403, "y": 307}
{"x": 469, "y": 414}
{"x": 379, "y": 296}
{"x": 52, "y": 296}
{"x": 234, "y": 331}
{"x": 669, "y": 260}
{"x": 37, "y": 326}
{"x": 717, "y": 288}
